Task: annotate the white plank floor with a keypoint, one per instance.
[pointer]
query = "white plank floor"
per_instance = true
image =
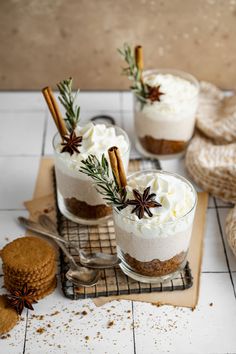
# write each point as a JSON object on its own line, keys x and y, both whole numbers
{"x": 123, "y": 327}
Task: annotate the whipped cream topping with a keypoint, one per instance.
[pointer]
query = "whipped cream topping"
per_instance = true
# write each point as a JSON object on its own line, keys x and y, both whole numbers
{"x": 97, "y": 139}
{"x": 172, "y": 118}
{"x": 177, "y": 199}
{"x": 176, "y": 90}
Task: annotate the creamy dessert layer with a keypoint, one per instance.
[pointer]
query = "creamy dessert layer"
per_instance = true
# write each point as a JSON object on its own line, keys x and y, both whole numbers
{"x": 96, "y": 140}
{"x": 172, "y": 118}
{"x": 167, "y": 233}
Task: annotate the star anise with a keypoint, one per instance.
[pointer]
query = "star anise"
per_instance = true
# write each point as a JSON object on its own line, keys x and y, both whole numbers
{"x": 71, "y": 143}
{"x": 143, "y": 202}
{"x": 154, "y": 93}
{"x": 22, "y": 298}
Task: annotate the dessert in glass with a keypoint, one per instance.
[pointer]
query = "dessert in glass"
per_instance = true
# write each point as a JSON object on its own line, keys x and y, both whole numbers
{"x": 77, "y": 195}
{"x": 165, "y": 120}
{"x": 153, "y": 214}
{"x": 165, "y": 105}
{"x": 154, "y": 247}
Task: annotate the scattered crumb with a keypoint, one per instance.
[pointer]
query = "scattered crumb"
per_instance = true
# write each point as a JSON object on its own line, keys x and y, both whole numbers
{"x": 49, "y": 325}
{"x": 211, "y": 304}
{"x": 5, "y": 336}
{"x": 86, "y": 337}
{"x": 40, "y": 330}
{"x": 55, "y": 313}
{"x": 84, "y": 313}
{"x": 157, "y": 304}
{"x": 110, "y": 324}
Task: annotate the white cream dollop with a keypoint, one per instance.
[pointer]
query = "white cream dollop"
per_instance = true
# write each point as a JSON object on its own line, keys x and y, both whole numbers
{"x": 176, "y": 197}
{"x": 176, "y": 89}
{"x": 180, "y": 96}
{"x": 97, "y": 139}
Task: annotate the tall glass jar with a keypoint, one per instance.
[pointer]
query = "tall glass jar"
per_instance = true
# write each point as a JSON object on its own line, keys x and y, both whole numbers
{"x": 152, "y": 250}
{"x": 77, "y": 196}
{"x": 164, "y": 128}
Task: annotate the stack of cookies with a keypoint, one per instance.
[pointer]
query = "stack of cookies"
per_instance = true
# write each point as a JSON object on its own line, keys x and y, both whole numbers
{"x": 32, "y": 261}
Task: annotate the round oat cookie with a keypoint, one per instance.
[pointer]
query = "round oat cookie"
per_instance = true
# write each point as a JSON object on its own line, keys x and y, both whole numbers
{"x": 8, "y": 316}
{"x": 30, "y": 276}
{"x": 39, "y": 293}
{"x": 27, "y": 254}
{"x": 48, "y": 291}
{"x": 44, "y": 283}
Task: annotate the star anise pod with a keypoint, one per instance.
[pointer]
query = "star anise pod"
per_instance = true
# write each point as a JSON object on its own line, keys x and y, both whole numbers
{"x": 143, "y": 202}
{"x": 154, "y": 93}
{"x": 71, "y": 143}
{"x": 19, "y": 299}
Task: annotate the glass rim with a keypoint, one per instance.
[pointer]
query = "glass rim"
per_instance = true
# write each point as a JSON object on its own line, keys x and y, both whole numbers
{"x": 175, "y": 72}
{"x": 185, "y": 180}
{"x": 122, "y": 131}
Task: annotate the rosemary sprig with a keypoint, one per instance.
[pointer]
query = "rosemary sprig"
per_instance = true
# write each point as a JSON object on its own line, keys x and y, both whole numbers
{"x": 99, "y": 172}
{"x": 133, "y": 73}
{"x": 68, "y": 100}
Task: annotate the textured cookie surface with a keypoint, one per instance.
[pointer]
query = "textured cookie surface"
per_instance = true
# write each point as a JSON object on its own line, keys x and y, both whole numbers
{"x": 8, "y": 316}
{"x": 39, "y": 293}
{"x": 30, "y": 277}
{"x": 27, "y": 254}
{"x": 40, "y": 284}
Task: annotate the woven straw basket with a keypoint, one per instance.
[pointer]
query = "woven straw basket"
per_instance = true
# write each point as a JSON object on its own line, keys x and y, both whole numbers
{"x": 211, "y": 155}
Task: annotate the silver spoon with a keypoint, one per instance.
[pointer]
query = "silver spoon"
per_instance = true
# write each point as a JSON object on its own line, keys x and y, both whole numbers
{"x": 78, "y": 275}
{"x": 97, "y": 260}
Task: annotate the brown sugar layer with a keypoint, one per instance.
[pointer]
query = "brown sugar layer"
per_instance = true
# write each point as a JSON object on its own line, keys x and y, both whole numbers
{"x": 156, "y": 267}
{"x": 162, "y": 146}
{"x": 86, "y": 211}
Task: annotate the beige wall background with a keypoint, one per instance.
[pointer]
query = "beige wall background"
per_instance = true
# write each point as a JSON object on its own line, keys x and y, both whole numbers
{"x": 44, "y": 41}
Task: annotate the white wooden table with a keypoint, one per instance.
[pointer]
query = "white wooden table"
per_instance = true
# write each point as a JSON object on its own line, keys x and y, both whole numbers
{"x": 26, "y": 131}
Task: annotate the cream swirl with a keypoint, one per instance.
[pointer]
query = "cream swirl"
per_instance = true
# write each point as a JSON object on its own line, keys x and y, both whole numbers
{"x": 176, "y": 197}
{"x": 175, "y": 88}
{"x": 97, "y": 139}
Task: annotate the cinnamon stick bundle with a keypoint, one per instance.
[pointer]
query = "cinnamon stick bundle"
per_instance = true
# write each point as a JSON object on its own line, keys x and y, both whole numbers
{"x": 55, "y": 112}
{"x": 117, "y": 166}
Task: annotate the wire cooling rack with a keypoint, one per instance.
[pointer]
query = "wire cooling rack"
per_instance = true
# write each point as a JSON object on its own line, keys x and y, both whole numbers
{"x": 101, "y": 238}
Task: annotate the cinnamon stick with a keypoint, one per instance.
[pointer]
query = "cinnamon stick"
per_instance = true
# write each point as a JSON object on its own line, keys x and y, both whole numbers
{"x": 55, "y": 112}
{"x": 117, "y": 166}
{"x": 139, "y": 57}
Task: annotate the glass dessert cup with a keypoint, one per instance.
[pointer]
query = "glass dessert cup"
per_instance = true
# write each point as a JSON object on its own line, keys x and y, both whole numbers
{"x": 153, "y": 253}
{"x": 77, "y": 196}
{"x": 164, "y": 129}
